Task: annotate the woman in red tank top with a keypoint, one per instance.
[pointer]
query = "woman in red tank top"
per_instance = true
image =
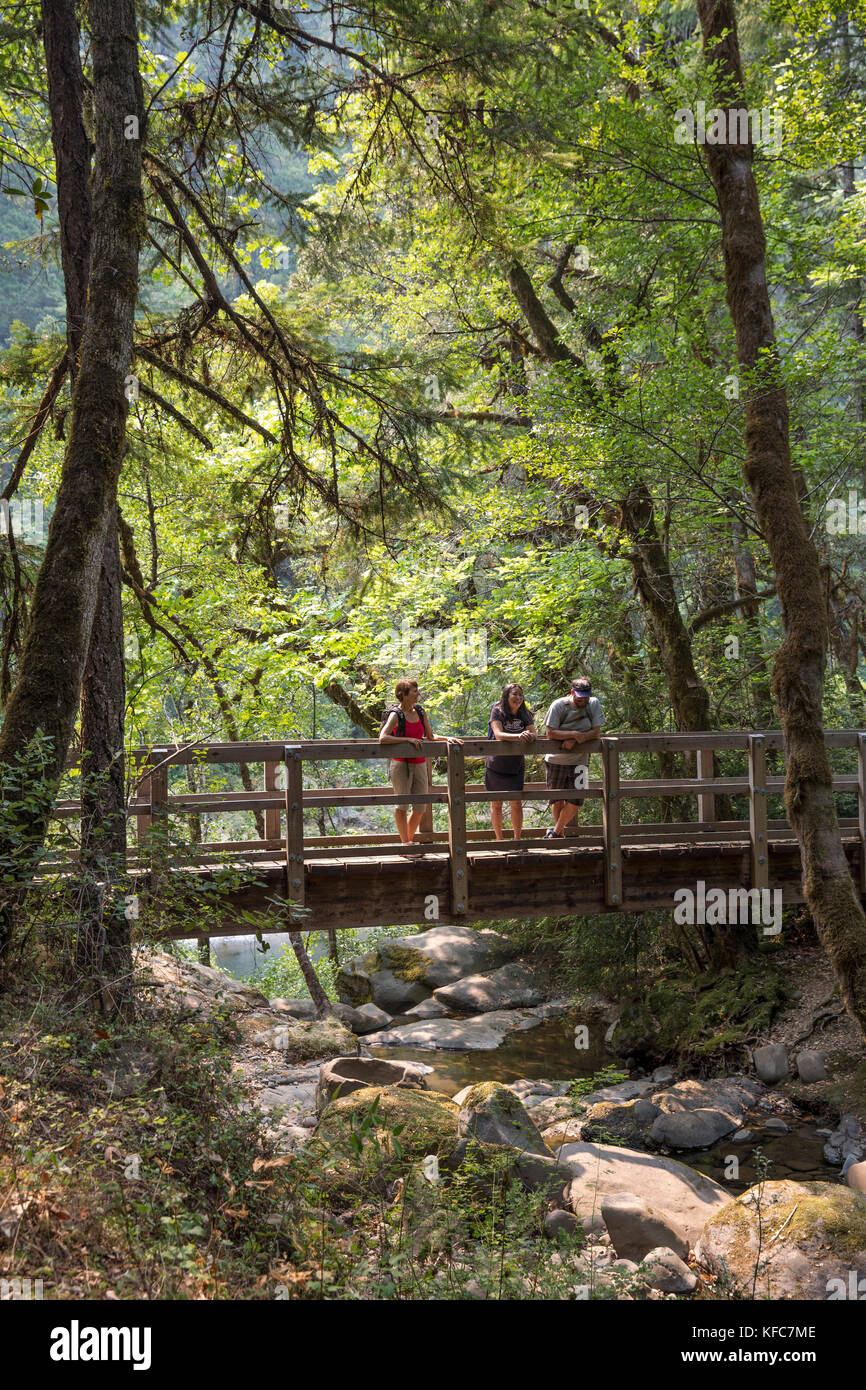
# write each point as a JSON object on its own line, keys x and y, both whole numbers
{"x": 407, "y": 723}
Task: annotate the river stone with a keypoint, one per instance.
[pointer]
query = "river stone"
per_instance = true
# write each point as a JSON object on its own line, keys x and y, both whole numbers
{"x": 441, "y": 955}
{"x": 775, "y": 1126}
{"x": 566, "y": 1132}
{"x": 369, "y": 1018}
{"x": 325, "y": 1037}
{"x": 645, "y": 1111}
{"x": 635, "y": 1227}
{"x": 346, "y": 1074}
{"x": 559, "y": 1224}
{"x": 429, "y": 1122}
{"x": 810, "y": 1066}
{"x": 428, "y": 1008}
{"x": 742, "y": 1136}
{"x": 606, "y": 1120}
{"x": 685, "y": 1196}
{"x": 732, "y": 1095}
{"x": 662, "y": 1075}
{"x": 353, "y": 985}
{"x": 394, "y": 994}
{"x": 691, "y": 1129}
{"x": 482, "y": 1033}
{"x": 855, "y": 1176}
{"x": 517, "y": 985}
{"x": 297, "y": 1008}
{"x": 492, "y": 1113}
{"x": 812, "y": 1237}
{"x": 666, "y": 1271}
{"x": 771, "y": 1062}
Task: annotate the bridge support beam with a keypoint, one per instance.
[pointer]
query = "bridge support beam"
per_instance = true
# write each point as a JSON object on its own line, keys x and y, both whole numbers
{"x": 611, "y": 823}
{"x": 758, "y": 811}
{"x": 457, "y": 831}
{"x": 294, "y": 827}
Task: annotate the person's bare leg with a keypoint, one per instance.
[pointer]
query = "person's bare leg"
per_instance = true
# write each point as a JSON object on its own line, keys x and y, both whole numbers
{"x": 566, "y": 815}
{"x": 400, "y": 818}
{"x": 496, "y": 818}
{"x": 414, "y": 821}
{"x": 517, "y": 818}
{"x": 556, "y": 809}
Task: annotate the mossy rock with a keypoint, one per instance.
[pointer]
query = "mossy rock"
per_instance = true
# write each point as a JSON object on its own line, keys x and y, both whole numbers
{"x": 700, "y": 1022}
{"x": 608, "y": 1122}
{"x": 353, "y": 985}
{"x": 788, "y": 1240}
{"x": 408, "y": 963}
{"x": 492, "y": 1113}
{"x": 429, "y": 1123}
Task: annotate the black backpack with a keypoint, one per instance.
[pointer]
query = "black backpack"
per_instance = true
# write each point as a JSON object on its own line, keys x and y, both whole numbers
{"x": 401, "y": 719}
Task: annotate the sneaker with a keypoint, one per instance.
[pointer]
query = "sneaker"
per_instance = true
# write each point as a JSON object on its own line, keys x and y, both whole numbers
{"x": 552, "y": 835}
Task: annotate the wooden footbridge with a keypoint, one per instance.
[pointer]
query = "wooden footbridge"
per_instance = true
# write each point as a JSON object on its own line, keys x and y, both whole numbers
{"x": 456, "y": 873}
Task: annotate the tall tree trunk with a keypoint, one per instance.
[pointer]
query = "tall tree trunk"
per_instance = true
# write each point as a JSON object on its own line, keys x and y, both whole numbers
{"x": 798, "y": 675}
{"x": 323, "y": 1006}
{"x": 45, "y": 698}
{"x": 103, "y": 939}
{"x": 747, "y": 585}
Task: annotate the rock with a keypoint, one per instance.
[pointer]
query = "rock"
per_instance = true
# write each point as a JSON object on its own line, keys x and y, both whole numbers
{"x": 691, "y": 1129}
{"x": 810, "y": 1066}
{"x": 624, "y": 1266}
{"x": 598, "y": 1171}
{"x": 558, "y": 1134}
{"x": 524, "y": 1088}
{"x": 645, "y": 1111}
{"x": 428, "y": 1008}
{"x": 353, "y": 985}
{"x": 742, "y": 1136}
{"x": 394, "y": 994}
{"x": 346, "y": 1074}
{"x": 368, "y": 1018}
{"x": 492, "y": 1113}
{"x": 823, "y": 1133}
{"x": 324, "y": 1038}
{"x": 441, "y": 955}
{"x": 775, "y": 1126}
{"x": 665, "y": 1270}
{"x": 510, "y": 986}
{"x": 855, "y": 1176}
{"x": 662, "y": 1075}
{"x": 607, "y": 1121}
{"x": 636, "y": 1227}
{"x": 850, "y": 1125}
{"x": 559, "y": 1225}
{"x": 622, "y": 1091}
{"x": 550, "y": 1109}
{"x": 771, "y": 1062}
{"x": 297, "y": 1008}
{"x": 482, "y": 1033}
{"x": 832, "y": 1154}
{"x": 852, "y": 1149}
{"x": 813, "y": 1238}
{"x": 732, "y": 1095}
{"x": 429, "y": 1124}
{"x": 301, "y": 1098}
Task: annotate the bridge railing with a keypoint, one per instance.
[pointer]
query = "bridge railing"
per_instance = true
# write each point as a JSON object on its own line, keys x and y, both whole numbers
{"x": 282, "y": 807}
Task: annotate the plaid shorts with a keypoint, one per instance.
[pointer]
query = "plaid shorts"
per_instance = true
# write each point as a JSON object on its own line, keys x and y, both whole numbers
{"x": 561, "y": 777}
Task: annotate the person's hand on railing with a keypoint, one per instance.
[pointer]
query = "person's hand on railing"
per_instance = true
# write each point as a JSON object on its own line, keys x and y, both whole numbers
{"x": 455, "y": 742}
{"x": 527, "y": 736}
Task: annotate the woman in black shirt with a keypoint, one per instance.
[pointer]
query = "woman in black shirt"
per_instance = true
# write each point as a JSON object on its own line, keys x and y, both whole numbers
{"x": 510, "y": 722}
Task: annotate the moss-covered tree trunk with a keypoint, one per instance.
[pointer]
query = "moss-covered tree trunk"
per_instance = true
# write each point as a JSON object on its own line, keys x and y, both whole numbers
{"x": 798, "y": 675}
{"x": 45, "y": 698}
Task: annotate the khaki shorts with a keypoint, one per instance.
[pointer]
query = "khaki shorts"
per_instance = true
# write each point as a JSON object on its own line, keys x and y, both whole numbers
{"x": 407, "y": 778}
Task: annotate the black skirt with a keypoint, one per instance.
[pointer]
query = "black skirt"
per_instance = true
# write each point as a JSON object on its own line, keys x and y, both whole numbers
{"x": 505, "y": 781}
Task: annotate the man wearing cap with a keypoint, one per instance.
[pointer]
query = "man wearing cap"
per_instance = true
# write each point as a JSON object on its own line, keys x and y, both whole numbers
{"x": 571, "y": 720}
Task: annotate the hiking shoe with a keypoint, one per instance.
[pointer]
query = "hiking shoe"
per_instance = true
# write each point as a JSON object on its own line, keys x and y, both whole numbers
{"x": 552, "y": 835}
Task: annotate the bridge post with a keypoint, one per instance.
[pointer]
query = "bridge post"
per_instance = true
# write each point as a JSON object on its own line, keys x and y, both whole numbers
{"x": 861, "y": 807}
{"x": 272, "y": 814}
{"x": 706, "y": 800}
{"x": 610, "y": 809}
{"x": 294, "y": 826}
{"x": 758, "y": 811}
{"x": 458, "y": 862}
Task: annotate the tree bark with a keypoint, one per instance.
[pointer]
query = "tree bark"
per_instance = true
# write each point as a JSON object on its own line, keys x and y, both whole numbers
{"x": 323, "y": 1006}
{"x": 798, "y": 675}
{"x": 45, "y": 699}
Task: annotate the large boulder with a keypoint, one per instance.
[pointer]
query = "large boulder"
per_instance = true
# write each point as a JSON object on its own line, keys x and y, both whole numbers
{"x": 393, "y": 993}
{"x": 732, "y": 1095}
{"x": 600, "y": 1170}
{"x": 428, "y": 1008}
{"x": 771, "y": 1062}
{"x": 429, "y": 1122}
{"x": 807, "y": 1240}
{"x": 346, "y": 1074}
{"x": 353, "y": 985}
{"x": 368, "y": 1018}
{"x": 512, "y": 986}
{"x": 636, "y": 1227}
{"x": 298, "y": 1038}
{"x": 691, "y": 1129}
{"x": 492, "y": 1113}
{"x": 481, "y": 1033}
{"x": 441, "y": 955}
{"x": 607, "y": 1122}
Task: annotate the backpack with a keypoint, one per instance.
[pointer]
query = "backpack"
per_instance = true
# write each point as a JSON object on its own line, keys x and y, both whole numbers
{"x": 400, "y": 730}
